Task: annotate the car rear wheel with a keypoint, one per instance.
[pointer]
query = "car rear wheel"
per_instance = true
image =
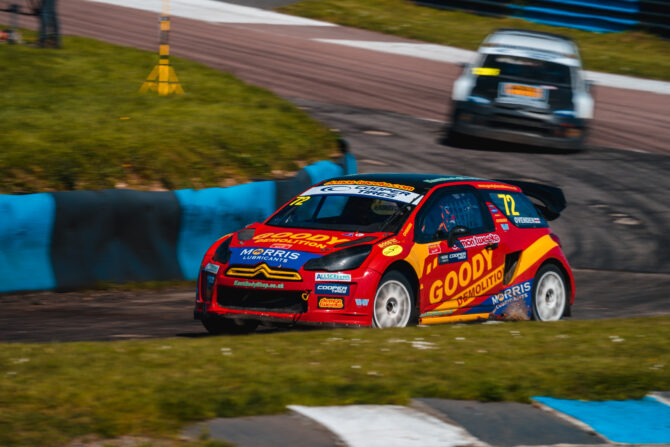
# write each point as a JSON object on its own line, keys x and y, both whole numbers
{"x": 217, "y": 326}
{"x": 550, "y": 294}
{"x": 394, "y": 302}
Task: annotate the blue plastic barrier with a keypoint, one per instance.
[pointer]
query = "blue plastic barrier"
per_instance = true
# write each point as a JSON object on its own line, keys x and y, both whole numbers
{"x": 589, "y": 15}
{"x": 68, "y": 240}
{"x": 211, "y": 213}
{"x": 26, "y": 225}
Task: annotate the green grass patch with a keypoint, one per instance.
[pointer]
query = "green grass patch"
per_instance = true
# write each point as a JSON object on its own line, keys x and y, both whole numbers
{"x": 52, "y": 393}
{"x": 630, "y": 53}
{"x": 73, "y": 119}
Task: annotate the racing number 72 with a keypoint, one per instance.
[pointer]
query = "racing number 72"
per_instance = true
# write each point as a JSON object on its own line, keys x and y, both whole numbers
{"x": 300, "y": 200}
{"x": 509, "y": 203}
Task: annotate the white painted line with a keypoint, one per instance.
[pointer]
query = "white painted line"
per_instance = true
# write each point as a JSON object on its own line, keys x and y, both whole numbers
{"x": 629, "y": 82}
{"x": 217, "y": 12}
{"x": 431, "y": 51}
{"x": 387, "y": 426}
{"x": 442, "y": 53}
{"x": 659, "y": 398}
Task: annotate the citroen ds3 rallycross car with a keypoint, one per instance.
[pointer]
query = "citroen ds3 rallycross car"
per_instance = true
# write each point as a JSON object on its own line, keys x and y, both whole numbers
{"x": 388, "y": 250}
{"x": 524, "y": 87}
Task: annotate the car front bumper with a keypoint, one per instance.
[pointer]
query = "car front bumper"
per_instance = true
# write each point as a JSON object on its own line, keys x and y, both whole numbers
{"x": 295, "y": 303}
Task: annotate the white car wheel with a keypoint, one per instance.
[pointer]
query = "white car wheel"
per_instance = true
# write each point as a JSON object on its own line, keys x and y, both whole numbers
{"x": 549, "y": 294}
{"x": 394, "y": 302}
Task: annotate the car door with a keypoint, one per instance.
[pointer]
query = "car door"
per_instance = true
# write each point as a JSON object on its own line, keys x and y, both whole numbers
{"x": 458, "y": 276}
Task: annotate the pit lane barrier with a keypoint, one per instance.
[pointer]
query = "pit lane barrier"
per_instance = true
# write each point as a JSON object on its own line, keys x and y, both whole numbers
{"x": 588, "y": 15}
{"x": 69, "y": 240}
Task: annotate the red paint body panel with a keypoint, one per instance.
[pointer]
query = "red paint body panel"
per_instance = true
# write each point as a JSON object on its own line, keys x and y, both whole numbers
{"x": 475, "y": 277}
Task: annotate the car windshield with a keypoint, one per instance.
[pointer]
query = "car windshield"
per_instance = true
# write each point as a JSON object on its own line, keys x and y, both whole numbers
{"x": 343, "y": 213}
{"x": 532, "y": 70}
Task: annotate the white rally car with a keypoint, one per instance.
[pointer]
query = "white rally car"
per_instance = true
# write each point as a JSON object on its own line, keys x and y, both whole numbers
{"x": 524, "y": 87}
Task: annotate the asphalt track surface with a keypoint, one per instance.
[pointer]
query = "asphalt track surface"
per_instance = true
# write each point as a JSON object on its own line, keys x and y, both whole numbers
{"x": 392, "y": 111}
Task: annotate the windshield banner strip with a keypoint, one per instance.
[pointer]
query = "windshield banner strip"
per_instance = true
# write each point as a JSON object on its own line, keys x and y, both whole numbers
{"x": 377, "y": 192}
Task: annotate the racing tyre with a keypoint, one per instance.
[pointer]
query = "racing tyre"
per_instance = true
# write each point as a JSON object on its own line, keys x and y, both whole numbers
{"x": 217, "y": 326}
{"x": 394, "y": 304}
{"x": 550, "y": 294}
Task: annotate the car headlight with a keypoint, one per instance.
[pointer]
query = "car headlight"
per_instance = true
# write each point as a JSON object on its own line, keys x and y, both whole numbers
{"x": 345, "y": 259}
{"x": 223, "y": 253}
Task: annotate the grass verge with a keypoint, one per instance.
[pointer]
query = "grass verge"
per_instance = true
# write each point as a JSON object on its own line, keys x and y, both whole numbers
{"x": 73, "y": 119}
{"x": 52, "y": 393}
{"x": 629, "y": 53}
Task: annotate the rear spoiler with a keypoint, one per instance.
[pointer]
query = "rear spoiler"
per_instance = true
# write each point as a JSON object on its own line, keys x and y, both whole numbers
{"x": 552, "y": 201}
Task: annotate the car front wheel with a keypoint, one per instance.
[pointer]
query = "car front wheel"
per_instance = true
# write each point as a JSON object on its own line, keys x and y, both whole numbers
{"x": 550, "y": 294}
{"x": 394, "y": 302}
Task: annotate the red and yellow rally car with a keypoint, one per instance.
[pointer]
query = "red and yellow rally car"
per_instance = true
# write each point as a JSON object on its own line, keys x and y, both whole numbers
{"x": 388, "y": 250}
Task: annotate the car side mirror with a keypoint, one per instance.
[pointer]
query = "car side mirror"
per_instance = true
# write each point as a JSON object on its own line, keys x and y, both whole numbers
{"x": 455, "y": 233}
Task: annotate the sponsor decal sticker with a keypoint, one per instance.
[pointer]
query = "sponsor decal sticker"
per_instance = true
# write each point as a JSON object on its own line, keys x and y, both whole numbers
{"x": 283, "y": 246}
{"x": 434, "y": 249}
{"x": 362, "y": 302}
{"x": 330, "y": 303}
{"x": 476, "y": 241}
{"x": 468, "y": 273}
{"x": 271, "y": 256}
{"x": 512, "y": 294}
{"x": 304, "y": 239}
{"x": 332, "y": 277}
{"x": 387, "y": 243}
{"x": 504, "y": 226}
{"x": 456, "y": 256}
{"x": 331, "y": 289}
{"x": 368, "y": 183}
{"x": 407, "y": 228}
{"x": 485, "y": 71}
{"x": 211, "y": 268}
{"x": 493, "y": 209}
{"x": 377, "y": 192}
{"x": 259, "y": 284}
{"x": 450, "y": 178}
{"x": 497, "y": 186}
{"x": 526, "y": 220}
{"x": 392, "y": 250}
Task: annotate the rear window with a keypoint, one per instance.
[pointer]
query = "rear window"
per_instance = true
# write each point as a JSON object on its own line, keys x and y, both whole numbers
{"x": 518, "y": 209}
{"x": 532, "y": 70}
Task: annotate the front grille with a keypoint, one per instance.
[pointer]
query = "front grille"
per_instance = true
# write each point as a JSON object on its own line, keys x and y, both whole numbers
{"x": 263, "y": 271}
{"x": 284, "y": 301}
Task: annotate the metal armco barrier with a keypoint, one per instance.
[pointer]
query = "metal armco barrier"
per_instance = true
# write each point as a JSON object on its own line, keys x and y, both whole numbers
{"x": 68, "y": 240}
{"x": 588, "y": 15}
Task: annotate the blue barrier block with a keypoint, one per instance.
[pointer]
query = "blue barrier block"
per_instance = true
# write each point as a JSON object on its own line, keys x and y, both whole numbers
{"x": 645, "y": 421}
{"x": 26, "y": 225}
{"x": 557, "y": 17}
{"x": 350, "y": 164}
{"x": 211, "y": 213}
{"x": 623, "y": 6}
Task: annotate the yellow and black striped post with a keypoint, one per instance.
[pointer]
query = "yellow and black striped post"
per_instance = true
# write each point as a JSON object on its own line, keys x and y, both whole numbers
{"x": 163, "y": 78}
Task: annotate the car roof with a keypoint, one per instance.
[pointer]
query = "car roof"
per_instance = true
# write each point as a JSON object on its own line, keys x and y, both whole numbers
{"x": 422, "y": 183}
{"x": 533, "y": 44}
